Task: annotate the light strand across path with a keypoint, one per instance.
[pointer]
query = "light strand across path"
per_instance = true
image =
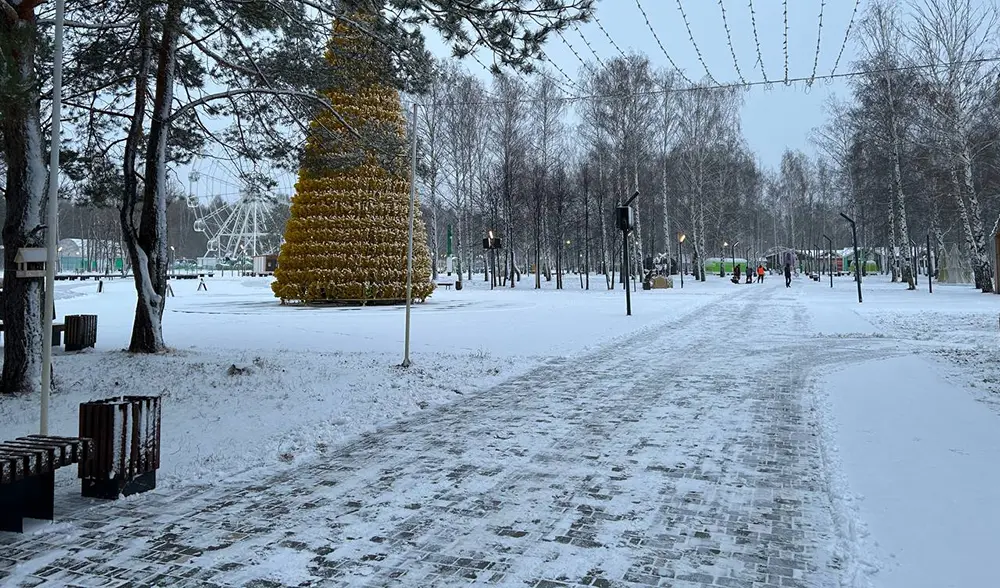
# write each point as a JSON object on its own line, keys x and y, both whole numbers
{"x": 731, "y": 86}
{"x": 584, "y": 62}
{"x": 847, "y": 36}
{"x": 649, "y": 25}
{"x": 819, "y": 39}
{"x": 697, "y": 50}
{"x": 784, "y": 5}
{"x": 608, "y": 35}
{"x": 729, "y": 41}
{"x": 586, "y": 42}
{"x": 756, "y": 40}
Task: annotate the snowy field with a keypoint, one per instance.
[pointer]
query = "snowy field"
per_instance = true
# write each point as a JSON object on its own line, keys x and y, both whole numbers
{"x": 316, "y": 376}
{"x": 903, "y": 390}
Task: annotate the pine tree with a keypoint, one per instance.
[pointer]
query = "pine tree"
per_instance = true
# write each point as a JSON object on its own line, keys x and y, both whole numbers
{"x": 346, "y": 240}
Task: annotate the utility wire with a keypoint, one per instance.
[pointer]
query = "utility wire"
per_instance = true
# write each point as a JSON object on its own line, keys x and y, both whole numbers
{"x": 697, "y": 51}
{"x": 638, "y": 4}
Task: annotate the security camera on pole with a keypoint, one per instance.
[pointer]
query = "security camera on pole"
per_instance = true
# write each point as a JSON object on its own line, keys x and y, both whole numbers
{"x": 625, "y": 221}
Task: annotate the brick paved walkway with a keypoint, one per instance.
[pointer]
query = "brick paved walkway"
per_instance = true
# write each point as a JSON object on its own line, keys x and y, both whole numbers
{"x": 688, "y": 460}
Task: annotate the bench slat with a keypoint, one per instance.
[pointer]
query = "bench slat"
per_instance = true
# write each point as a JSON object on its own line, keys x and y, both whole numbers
{"x": 40, "y": 454}
{"x": 62, "y": 448}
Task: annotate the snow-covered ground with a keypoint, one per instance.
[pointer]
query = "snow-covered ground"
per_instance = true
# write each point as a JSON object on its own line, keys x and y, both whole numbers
{"x": 315, "y": 376}
{"x": 917, "y": 434}
{"x": 900, "y": 393}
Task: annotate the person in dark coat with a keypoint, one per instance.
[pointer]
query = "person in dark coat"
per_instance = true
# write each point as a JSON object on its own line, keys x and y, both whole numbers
{"x": 788, "y": 275}
{"x": 736, "y": 274}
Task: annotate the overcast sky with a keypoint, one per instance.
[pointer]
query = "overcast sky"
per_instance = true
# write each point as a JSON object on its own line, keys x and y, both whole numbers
{"x": 774, "y": 118}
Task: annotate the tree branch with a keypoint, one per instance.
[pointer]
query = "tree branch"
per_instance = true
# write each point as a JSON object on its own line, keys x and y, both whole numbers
{"x": 276, "y": 92}
{"x": 73, "y": 24}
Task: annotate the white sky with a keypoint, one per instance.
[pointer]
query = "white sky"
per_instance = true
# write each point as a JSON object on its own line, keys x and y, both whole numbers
{"x": 775, "y": 117}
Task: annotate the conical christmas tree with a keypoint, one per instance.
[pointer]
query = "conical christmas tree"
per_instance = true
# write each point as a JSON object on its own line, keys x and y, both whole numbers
{"x": 346, "y": 240}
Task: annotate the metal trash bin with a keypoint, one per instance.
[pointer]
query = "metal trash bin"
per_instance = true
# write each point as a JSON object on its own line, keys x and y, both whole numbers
{"x": 126, "y": 446}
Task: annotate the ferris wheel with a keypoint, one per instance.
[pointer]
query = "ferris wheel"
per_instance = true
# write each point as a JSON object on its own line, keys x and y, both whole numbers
{"x": 242, "y": 213}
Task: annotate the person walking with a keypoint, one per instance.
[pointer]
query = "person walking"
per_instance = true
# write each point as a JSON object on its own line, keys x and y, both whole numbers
{"x": 788, "y": 275}
{"x": 760, "y": 274}
{"x": 736, "y": 274}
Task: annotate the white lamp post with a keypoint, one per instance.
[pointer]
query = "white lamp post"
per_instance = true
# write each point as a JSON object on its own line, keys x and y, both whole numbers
{"x": 53, "y": 220}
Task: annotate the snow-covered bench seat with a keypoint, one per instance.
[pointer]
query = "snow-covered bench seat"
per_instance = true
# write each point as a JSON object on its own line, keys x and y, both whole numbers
{"x": 57, "y": 332}
{"x": 27, "y": 475}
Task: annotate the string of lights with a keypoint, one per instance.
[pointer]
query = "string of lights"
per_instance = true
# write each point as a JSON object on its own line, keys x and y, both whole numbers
{"x": 572, "y": 49}
{"x": 785, "y": 42}
{"x": 697, "y": 50}
{"x": 739, "y": 85}
{"x": 496, "y": 68}
{"x": 756, "y": 40}
{"x": 589, "y": 46}
{"x": 638, "y": 4}
{"x": 847, "y": 35}
{"x": 819, "y": 39}
{"x": 608, "y": 35}
{"x": 562, "y": 71}
{"x": 729, "y": 41}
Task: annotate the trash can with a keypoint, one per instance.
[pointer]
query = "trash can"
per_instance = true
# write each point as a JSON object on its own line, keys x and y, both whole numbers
{"x": 126, "y": 443}
{"x": 81, "y": 331}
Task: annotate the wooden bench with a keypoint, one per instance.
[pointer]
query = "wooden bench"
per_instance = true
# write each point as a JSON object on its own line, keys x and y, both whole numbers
{"x": 446, "y": 285}
{"x": 57, "y": 333}
{"x": 27, "y": 476}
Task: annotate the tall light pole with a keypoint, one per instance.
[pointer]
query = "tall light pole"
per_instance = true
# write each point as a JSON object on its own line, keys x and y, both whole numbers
{"x": 409, "y": 243}
{"x": 624, "y": 222}
{"x": 857, "y": 255}
{"x": 732, "y": 251}
{"x": 52, "y": 224}
{"x": 680, "y": 256}
{"x": 722, "y": 260}
{"x": 829, "y": 255}
{"x": 930, "y": 274}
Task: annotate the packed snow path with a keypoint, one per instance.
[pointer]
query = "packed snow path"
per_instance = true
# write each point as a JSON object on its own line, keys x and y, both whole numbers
{"x": 688, "y": 456}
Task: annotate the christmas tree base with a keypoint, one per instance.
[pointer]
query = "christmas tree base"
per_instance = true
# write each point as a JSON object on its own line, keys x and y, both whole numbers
{"x": 349, "y": 303}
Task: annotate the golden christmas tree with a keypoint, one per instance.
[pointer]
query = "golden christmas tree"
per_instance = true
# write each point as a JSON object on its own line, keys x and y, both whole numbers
{"x": 346, "y": 240}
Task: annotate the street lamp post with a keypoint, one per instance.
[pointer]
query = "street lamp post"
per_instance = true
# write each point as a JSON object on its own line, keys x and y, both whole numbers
{"x": 52, "y": 219}
{"x": 930, "y": 274}
{"x": 680, "y": 256}
{"x": 857, "y": 255}
{"x": 722, "y": 260}
{"x": 829, "y": 255}
{"x": 624, "y": 220}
